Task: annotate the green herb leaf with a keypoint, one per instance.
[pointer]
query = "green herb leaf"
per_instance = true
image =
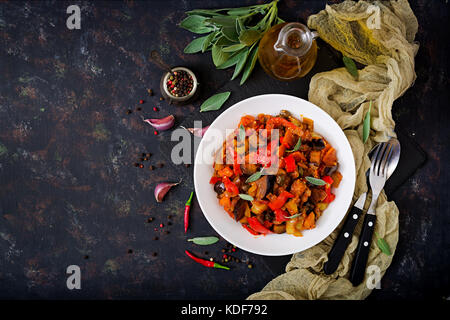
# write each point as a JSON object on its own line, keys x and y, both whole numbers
{"x": 366, "y": 125}
{"x": 255, "y": 176}
{"x": 196, "y": 24}
{"x": 241, "y": 133}
{"x": 215, "y": 102}
{"x": 233, "y": 59}
{"x": 196, "y": 45}
{"x": 218, "y": 55}
{"x": 230, "y": 33}
{"x": 240, "y": 64}
{"x": 350, "y": 66}
{"x": 234, "y": 47}
{"x": 246, "y": 197}
{"x": 223, "y": 21}
{"x": 384, "y": 247}
{"x": 204, "y": 241}
{"x": 208, "y": 40}
{"x": 297, "y": 145}
{"x": 293, "y": 216}
{"x": 249, "y": 37}
{"x": 253, "y": 56}
{"x": 315, "y": 181}
{"x": 222, "y": 41}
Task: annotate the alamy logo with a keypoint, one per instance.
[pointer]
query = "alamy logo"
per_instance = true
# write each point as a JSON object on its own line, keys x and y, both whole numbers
{"x": 74, "y": 280}
{"x": 74, "y": 20}
{"x": 374, "y": 279}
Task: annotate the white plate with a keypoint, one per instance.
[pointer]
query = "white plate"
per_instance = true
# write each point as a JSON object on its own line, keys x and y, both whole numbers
{"x": 272, "y": 244}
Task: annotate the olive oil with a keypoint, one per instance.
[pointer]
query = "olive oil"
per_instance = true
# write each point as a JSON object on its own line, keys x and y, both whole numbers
{"x": 288, "y": 51}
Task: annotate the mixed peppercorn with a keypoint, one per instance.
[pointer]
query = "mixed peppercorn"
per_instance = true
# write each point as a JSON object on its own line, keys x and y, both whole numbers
{"x": 179, "y": 83}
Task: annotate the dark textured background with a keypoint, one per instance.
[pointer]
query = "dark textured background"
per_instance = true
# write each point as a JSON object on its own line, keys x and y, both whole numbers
{"x": 68, "y": 187}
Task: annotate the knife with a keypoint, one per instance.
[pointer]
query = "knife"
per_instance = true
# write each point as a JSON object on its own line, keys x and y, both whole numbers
{"x": 345, "y": 236}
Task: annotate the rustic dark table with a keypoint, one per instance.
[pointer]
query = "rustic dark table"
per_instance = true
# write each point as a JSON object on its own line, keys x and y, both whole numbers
{"x": 70, "y": 195}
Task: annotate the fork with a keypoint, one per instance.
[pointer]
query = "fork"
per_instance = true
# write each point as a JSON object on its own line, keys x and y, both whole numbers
{"x": 384, "y": 161}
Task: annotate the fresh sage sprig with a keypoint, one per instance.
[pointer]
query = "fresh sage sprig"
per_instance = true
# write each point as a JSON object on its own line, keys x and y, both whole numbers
{"x": 366, "y": 125}
{"x": 293, "y": 216}
{"x": 241, "y": 133}
{"x": 215, "y": 102}
{"x": 233, "y": 34}
{"x": 315, "y": 181}
{"x": 204, "y": 241}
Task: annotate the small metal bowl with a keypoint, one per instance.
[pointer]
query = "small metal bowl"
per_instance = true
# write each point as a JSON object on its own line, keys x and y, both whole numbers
{"x": 178, "y": 100}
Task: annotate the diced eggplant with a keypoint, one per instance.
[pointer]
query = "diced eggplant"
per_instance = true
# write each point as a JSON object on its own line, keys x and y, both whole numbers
{"x": 316, "y": 144}
{"x": 219, "y": 187}
{"x": 239, "y": 209}
{"x": 328, "y": 171}
{"x": 279, "y": 228}
{"x": 263, "y": 185}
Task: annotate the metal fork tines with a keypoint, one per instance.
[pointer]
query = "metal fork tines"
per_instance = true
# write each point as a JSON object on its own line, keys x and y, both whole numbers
{"x": 379, "y": 171}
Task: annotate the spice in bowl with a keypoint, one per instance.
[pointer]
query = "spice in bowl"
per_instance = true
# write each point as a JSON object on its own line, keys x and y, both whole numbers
{"x": 179, "y": 85}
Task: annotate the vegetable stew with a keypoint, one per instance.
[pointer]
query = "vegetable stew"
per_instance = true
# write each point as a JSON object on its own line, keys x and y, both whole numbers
{"x": 274, "y": 174}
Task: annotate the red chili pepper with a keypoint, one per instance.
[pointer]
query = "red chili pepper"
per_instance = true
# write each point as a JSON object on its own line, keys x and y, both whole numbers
{"x": 187, "y": 208}
{"x": 257, "y": 226}
{"x": 214, "y": 180}
{"x": 290, "y": 163}
{"x": 206, "y": 263}
{"x": 280, "y": 200}
{"x": 230, "y": 186}
{"x": 246, "y": 227}
{"x": 280, "y": 215}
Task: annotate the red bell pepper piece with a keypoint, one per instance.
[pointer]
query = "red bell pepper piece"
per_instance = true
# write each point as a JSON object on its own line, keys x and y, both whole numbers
{"x": 280, "y": 200}
{"x": 280, "y": 215}
{"x": 328, "y": 180}
{"x": 257, "y": 226}
{"x": 330, "y": 196}
{"x": 290, "y": 163}
{"x": 253, "y": 232}
{"x": 214, "y": 180}
{"x": 230, "y": 186}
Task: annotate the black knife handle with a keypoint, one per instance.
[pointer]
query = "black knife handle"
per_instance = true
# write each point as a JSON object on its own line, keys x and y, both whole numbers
{"x": 342, "y": 241}
{"x": 362, "y": 251}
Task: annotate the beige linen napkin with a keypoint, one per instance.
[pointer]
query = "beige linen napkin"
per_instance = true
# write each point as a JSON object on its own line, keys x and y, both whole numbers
{"x": 379, "y": 35}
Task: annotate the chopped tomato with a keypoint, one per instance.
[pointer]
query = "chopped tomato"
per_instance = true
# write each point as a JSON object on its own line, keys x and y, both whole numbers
{"x": 230, "y": 186}
{"x": 214, "y": 180}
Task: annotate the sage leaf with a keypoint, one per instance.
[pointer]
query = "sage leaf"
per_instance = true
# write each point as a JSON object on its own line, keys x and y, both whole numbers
{"x": 218, "y": 55}
{"x": 241, "y": 133}
{"x": 255, "y": 176}
{"x": 383, "y": 245}
{"x": 297, "y": 145}
{"x": 249, "y": 37}
{"x": 204, "y": 241}
{"x": 215, "y": 102}
{"x": 230, "y": 33}
{"x": 196, "y": 45}
{"x": 240, "y": 64}
{"x": 222, "y": 41}
{"x": 253, "y": 56}
{"x": 350, "y": 66}
{"x": 315, "y": 181}
{"x": 234, "y": 47}
{"x": 293, "y": 216}
{"x": 196, "y": 24}
{"x": 366, "y": 125}
{"x": 223, "y": 21}
{"x": 246, "y": 197}
{"x": 208, "y": 40}
{"x": 235, "y": 57}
